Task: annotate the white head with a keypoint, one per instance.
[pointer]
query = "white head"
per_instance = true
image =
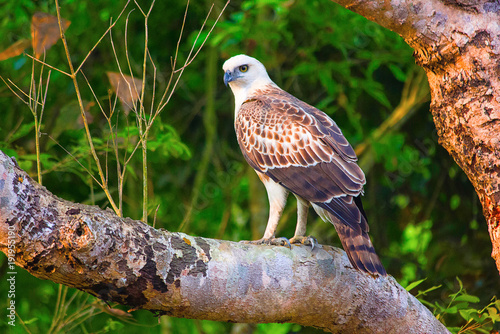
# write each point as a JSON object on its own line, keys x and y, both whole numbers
{"x": 244, "y": 74}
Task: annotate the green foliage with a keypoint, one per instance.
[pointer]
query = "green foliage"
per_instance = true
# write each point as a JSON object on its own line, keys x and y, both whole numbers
{"x": 458, "y": 305}
{"x": 425, "y": 219}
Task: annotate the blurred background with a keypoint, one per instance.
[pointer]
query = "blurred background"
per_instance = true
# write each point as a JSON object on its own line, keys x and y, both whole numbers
{"x": 425, "y": 218}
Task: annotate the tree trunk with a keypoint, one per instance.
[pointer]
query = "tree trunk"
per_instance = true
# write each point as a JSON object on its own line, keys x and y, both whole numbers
{"x": 458, "y": 45}
{"x": 129, "y": 262}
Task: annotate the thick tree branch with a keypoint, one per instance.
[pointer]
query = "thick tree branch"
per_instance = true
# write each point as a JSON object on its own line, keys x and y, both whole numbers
{"x": 129, "y": 262}
{"x": 458, "y": 45}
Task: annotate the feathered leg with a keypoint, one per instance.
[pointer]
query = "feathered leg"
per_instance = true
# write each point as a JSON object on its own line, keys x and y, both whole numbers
{"x": 300, "y": 230}
{"x": 302, "y": 208}
{"x": 277, "y": 199}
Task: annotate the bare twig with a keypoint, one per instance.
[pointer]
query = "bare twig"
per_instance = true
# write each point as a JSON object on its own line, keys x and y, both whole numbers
{"x": 100, "y": 39}
{"x": 35, "y": 95}
{"x": 14, "y": 92}
{"x": 76, "y": 160}
{"x": 48, "y": 65}
{"x": 164, "y": 102}
{"x": 103, "y": 184}
{"x": 143, "y": 116}
{"x": 174, "y": 61}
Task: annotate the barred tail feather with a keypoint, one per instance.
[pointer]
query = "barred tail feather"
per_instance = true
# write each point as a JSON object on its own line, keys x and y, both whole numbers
{"x": 356, "y": 241}
{"x": 359, "y": 249}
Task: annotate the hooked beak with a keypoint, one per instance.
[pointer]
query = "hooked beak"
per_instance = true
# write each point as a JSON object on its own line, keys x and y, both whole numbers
{"x": 228, "y": 77}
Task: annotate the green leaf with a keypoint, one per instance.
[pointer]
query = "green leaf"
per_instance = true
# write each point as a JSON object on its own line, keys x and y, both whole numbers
{"x": 462, "y": 305}
{"x": 30, "y": 321}
{"x": 198, "y": 38}
{"x": 397, "y": 72}
{"x": 493, "y": 313}
{"x": 7, "y": 151}
{"x": 112, "y": 325}
{"x": 466, "y": 314}
{"x": 273, "y": 328}
{"x": 451, "y": 310}
{"x": 460, "y": 284}
{"x": 429, "y": 290}
{"x": 467, "y": 298}
{"x": 376, "y": 90}
{"x": 414, "y": 284}
{"x": 325, "y": 77}
{"x": 476, "y": 317}
{"x": 23, "y": 130}
{"x": 25, "y": 164}
{"x": 454, "y": 201}
{"x": 402, "y": 200}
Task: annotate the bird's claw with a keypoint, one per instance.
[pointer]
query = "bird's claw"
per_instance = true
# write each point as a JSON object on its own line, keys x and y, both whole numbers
{"x": 308, "y": 241}
{"x": 282, "y": 241}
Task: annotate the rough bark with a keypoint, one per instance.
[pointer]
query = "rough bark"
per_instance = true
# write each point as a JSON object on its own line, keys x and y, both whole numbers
{"x": 458, "y": 44}
{"x": 129, "y": 262}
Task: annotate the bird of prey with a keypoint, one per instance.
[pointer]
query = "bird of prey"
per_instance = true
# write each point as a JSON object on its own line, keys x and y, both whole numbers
{"x": 294, "y": 147}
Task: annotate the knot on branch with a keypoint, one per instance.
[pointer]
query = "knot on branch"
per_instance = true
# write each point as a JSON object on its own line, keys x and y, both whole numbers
{"x": 76, "y": 234}
{"x": 436, "y": 58}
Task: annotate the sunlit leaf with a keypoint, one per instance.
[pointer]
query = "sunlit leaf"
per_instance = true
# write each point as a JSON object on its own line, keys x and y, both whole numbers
{"x": 467, "y": 298}
{"x": 429, "y": 290}
{"x": 459, "y": 283}
{"x": 45, "y": 31}
{"x": 497, "y": 303}
{"x": 451, "y": 310}
{"x": 493, "y": 313}
{"x": 402, "y": 200}
{"x": 126, "y": 88}
{"x": 466, "y": 314}
{"x": 15, "y": 49}
{"x": 414, "y": 284}
{"x": 30, "y": 321}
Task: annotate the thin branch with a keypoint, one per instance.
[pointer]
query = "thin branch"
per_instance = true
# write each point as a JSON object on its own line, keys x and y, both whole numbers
{"x": 153, "y": 91}
{"x": 174, "y": 62}
{"x": 188, "y": 60}
{"x": 34, "y": 95}
{"x": 58, "y": 303}
{"x": 142, "y": 113}
{"x": 76, "y": 160}
{"x": 23, "y": 323}
{"x": 14, "y": 129}
{"x": 104, "y": 185}
{"x": 114, "y": 139}
{"x": 163, "y": 103}
{"x": 100, "y": 39}
{"x": 14, "y": 92}
{"x": 138, "y": 6}
{"x": 49, "y": 66}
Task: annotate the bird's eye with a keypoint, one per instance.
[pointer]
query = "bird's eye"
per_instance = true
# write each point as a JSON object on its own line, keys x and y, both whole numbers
{"x": 243, "y": 68}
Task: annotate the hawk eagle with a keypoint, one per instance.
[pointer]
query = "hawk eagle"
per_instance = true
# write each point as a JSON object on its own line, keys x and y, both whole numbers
{"x": 297, "y": 148}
